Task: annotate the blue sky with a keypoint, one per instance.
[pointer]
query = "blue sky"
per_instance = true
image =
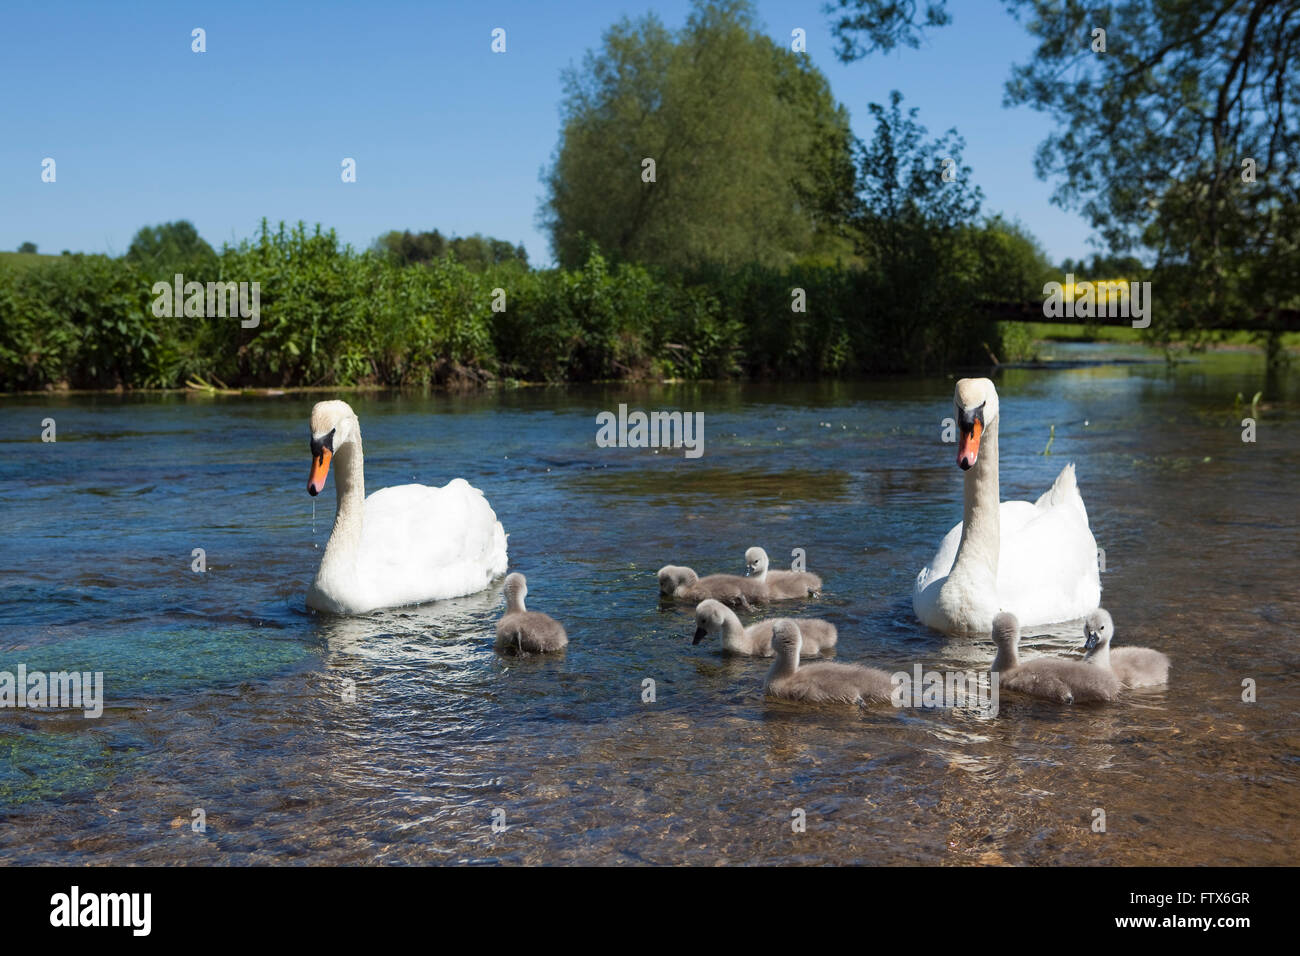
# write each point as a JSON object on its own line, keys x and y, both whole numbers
{"x": 445, "y": 133}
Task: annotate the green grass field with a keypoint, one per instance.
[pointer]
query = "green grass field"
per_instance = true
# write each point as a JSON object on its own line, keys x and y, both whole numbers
{"x": 1077, "y": 332}
{"x": 26, "y": 260}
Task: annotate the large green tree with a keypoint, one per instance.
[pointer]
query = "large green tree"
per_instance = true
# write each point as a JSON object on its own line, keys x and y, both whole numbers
{"x": 171, "y": 247}
{"x": 751, "y": 155}
{"x": 913, "y": 222}
{"x": 1182, "y": 139}
{"x": 1177, "y": 135}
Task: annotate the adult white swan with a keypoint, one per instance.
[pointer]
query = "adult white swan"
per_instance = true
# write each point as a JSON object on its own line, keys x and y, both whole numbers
{"x": 403, "y": 545}
{"x": 1038, "y": 561}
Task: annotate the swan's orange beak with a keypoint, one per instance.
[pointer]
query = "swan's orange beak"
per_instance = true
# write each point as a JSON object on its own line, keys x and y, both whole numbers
{"x": 968, "y": 449}
{"x": 320, "y": 469}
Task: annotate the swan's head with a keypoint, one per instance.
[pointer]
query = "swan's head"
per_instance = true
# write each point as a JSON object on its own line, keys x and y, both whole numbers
{"x": 1098, "y": 629}
{"x": 756, "y": 562}
{"x": 674, "y": 576}
{"x": 976, "y": 402}
{"x": 333, "y": 425}
{"x": 710, "y": 615}
{"x": 786, "y": 639}
{"x": 516, "y": 589}
{"x": 1006, "y": 630}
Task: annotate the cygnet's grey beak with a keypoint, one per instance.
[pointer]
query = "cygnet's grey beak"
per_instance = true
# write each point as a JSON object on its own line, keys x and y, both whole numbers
{"x": 700, "y": 634}
{"x": 1091, "y": 641}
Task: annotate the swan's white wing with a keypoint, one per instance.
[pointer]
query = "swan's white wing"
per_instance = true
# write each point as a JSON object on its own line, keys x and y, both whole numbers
{"x": 941, "y": 563}
{"x": 1047, "y": 568}
{"x": 1047, "y": 560}
{"x": 423, "y": 544}
{"x": 1013, "y": 516}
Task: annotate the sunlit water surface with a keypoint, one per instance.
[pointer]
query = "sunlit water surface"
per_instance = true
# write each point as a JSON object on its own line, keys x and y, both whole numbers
{"x": 224, "y": 694}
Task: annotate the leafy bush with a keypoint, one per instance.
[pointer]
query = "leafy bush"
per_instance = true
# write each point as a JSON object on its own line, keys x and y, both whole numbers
{"x": 330, "y": 315}
{"x": 85, "y": 321}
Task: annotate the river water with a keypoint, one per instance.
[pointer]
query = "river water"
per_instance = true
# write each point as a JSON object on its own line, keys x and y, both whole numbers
{"x": 400, "y": 737}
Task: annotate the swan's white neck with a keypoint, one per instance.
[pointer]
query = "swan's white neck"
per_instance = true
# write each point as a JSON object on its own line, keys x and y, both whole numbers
{"x": 981, "y": 532}
{"x": 515, "y": 603}
{"x": 350, "y": 492}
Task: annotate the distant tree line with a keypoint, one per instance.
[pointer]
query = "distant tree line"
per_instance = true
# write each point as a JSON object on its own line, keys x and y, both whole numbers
{"x": 475, "y": 252}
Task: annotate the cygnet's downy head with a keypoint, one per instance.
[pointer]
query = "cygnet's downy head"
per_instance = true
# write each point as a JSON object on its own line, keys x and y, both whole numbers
{"x": 976, "y": 403}
{"x": 710, "y": 615}
{"x": 516, "y": 589}
{"x": 755, "y": 562}
{"x": 674, "y": 576}
{"x": 786, "y": 639}
{"x": 1098, "y": 630}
